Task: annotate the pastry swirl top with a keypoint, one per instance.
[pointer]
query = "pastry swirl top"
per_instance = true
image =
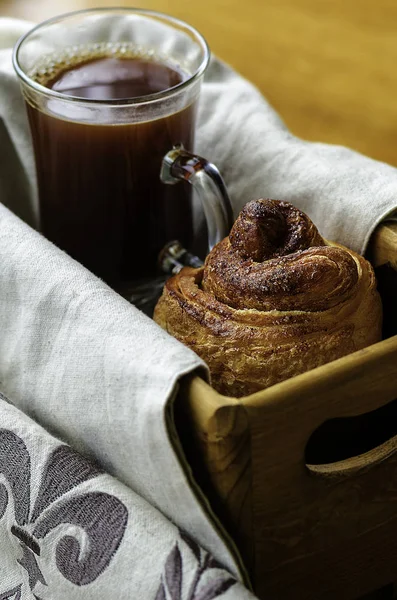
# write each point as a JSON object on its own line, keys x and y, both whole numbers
{"x": 275, "y": 259}
{"x": 273, "y": 299}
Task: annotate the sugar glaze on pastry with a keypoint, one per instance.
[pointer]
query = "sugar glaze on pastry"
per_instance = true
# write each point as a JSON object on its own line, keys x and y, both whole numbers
{"x": 273, "y": 299}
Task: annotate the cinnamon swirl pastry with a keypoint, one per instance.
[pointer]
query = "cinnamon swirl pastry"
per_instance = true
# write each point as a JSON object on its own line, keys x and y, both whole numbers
{"x": 274, "y": 299}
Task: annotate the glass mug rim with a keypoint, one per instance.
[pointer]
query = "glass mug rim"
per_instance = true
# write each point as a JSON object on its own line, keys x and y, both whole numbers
{"x": 167, "y": 93}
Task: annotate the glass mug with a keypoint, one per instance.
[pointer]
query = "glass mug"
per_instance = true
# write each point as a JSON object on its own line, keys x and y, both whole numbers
{"x": 107, "y": 167}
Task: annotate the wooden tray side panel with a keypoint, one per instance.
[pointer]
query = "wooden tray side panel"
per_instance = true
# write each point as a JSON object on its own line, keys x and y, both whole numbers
{"x": 329, "y": 536}
{"x": 214, "y": 431}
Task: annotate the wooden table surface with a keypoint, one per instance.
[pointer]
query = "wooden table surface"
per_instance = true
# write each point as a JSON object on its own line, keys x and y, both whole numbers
{"x": 328, "y": 66}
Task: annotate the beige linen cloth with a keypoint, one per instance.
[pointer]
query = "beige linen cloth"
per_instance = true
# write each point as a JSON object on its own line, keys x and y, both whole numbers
{"x": 111, "y": 511}
{"x": 88, "y": 522}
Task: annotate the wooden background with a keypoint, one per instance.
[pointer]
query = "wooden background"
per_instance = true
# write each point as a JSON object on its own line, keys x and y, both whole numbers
{"x": 328, "y": 66}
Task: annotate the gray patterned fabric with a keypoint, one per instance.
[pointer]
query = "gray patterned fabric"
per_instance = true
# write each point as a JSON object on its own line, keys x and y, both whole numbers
{"x": 70, "y": 530}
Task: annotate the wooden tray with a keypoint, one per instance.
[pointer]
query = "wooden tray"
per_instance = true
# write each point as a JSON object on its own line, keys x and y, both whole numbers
{"x": 306, "y": 486}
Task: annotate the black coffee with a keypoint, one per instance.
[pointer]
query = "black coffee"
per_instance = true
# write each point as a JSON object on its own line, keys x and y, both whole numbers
{"x": 101, "y": 198}
{"x": 113, "y": 78}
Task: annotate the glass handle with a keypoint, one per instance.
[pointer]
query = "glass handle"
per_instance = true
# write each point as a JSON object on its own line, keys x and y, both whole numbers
{"x": 181, "y": 165}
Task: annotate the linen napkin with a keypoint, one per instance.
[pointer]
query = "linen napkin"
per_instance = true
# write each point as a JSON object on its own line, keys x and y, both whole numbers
{"x": 81, "y": 360}
{"x": 70, "y": 530}
{"x": 345, "y": 193}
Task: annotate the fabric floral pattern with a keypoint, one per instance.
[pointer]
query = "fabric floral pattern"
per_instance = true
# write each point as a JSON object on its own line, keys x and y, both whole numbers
{"x": 61, "y": 531}
{"x": 209, "y": 580}
{"x": 101, "y": 516}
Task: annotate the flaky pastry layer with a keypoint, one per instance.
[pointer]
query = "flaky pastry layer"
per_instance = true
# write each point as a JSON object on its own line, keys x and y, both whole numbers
{"x": 274, "y": 299}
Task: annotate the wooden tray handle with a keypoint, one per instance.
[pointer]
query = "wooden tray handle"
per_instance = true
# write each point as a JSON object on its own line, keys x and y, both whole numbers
{"x": 357, "y": 464}
{"x": 284, "y": 417}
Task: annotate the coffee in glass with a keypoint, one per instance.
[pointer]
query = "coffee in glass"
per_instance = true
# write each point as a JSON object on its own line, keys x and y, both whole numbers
{"x": 112, "y": 101}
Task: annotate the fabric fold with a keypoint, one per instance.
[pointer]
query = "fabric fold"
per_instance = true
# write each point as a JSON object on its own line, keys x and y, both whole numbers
{"x": 345, "y": 193}
{"x": 96, "y": 372}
